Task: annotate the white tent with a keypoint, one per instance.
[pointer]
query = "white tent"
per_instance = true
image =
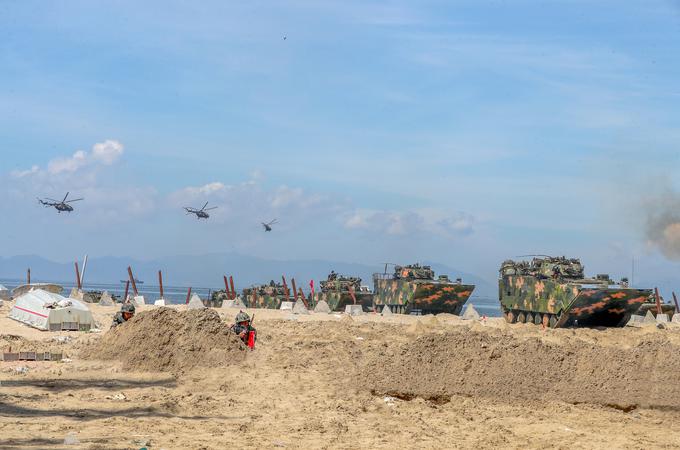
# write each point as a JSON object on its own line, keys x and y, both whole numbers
{"x": 48, "y": 311}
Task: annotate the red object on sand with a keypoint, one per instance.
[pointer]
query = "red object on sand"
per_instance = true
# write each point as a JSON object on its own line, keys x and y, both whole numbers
{"x": 251, "y": 340}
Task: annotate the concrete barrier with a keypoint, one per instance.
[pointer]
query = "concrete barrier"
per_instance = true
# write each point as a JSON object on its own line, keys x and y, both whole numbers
{"x": 470, "y": 313}
{"x": 286, "y": 306}
{"x": 106, "y": 299}
{"x": 649, "y": 318}
{"x": 300, "y": 308}
{"x": 635, "y": 320}
{"x": 354, "y": 310}
{"x": 196, "y": 302}
{"x": 322, "y": 307}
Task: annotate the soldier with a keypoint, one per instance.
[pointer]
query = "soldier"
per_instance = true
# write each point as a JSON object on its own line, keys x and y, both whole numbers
{"x": 243, "y": 328}
{"x": 126, "y": 312}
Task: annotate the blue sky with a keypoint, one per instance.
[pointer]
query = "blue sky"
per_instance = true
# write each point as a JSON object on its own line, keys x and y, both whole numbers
{"x": 464, "y": 132}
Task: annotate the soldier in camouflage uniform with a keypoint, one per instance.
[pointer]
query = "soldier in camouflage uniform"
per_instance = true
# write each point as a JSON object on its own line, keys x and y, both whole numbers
{"x": 242, "y": 326}
{"x": 127, "y": 311}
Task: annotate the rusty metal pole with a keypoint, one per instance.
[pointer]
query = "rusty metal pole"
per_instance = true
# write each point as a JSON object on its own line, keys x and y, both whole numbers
{"x": 351, "y": 294}
{"x": 226, "y": 287}
{"x": 28, "y": 276}
{"x": 658, "y": 301}
{"x": 127, "y": 288}
{"x": 675, "y": 299}
{"x": 160, "y": 282}
{"x": 78, "y": 283}
{"x": 304, "y": 300}
{"x": 188, "y": 295}
{"x": 233, "y": 291}
{"x": 292, "y": 281}
{"x": 132, "y": 280}
{"x": 285, "y": 287}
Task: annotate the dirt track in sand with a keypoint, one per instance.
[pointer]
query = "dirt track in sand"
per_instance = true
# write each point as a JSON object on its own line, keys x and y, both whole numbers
{"x": 320, "y": 382}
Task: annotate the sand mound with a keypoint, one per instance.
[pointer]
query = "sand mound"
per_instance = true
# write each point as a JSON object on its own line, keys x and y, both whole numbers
{"x": 496, "y": 364}
{"x": 167, "y": 340}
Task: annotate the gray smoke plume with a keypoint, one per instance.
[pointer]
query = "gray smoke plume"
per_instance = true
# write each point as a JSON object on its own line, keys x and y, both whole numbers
{"x": 663, "y": 223}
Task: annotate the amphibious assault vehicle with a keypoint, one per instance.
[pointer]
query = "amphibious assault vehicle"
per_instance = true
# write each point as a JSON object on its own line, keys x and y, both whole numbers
{"x": 339, "y": 291}
{"x": 553, "y": 291}
{"x": 267, "y": 295}
{"x": 413, "y": 289}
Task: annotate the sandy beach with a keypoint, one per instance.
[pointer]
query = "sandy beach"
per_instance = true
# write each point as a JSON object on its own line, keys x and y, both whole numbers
{"x": 334, "y": 381}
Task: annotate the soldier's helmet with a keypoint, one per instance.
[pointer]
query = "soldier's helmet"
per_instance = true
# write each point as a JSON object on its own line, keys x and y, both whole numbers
{"x": 242, "y": 317}
{"x": 128, "y": 307}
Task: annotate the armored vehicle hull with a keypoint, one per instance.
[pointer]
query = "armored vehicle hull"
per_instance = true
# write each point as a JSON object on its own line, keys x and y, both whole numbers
{"x": 269, "y": 296}
{"x": 554, "y": 292}
{"x": 413, "y": 290}
{"x": 339, "y": 291}
{"x": 338, "y": 300}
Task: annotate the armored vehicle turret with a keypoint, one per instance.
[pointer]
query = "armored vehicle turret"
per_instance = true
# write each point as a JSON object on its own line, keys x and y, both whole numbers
{"x": 339, "y": 291}
{"x": 555, "y": 292}
{"x": 413, "y": 289}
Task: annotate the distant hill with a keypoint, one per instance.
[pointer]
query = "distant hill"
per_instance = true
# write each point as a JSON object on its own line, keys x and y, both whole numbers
{"x": 207, "y": 270}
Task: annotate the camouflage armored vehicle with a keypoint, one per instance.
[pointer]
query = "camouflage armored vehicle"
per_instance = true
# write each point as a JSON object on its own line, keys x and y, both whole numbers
{"x": 555, "y": 292}
{"x": 266, "y": 295}
{"x": 414, "y": 290}
{"x": 338, "y": 290}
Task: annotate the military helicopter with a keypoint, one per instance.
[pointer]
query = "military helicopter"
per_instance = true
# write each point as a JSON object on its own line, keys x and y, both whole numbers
{"x": 59, "y": 205}
{"x": 200, "y": 213}
{"x": 268, "y": 226}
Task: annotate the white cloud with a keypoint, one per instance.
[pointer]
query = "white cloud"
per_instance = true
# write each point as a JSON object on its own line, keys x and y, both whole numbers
{"x": 103, "y": 154}
{"x": 24, "y": 173}
{"x": 107, "y": 152}
{"x": 411, "y": 222}
{"x": 206, "y": 189}
{"x": 75, "y": 162}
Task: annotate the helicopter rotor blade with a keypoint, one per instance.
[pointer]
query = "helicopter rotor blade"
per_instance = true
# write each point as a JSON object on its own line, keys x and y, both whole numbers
{"x": 65, "y": 197}
{"x": 75, "y": 200}
{"x": 206, "y": 204}
{"x": 210, "y": 209}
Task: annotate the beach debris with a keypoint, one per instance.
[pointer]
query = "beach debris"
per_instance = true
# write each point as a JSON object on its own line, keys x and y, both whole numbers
{"x": 120, "y": 397}
{"x": 470, "y": 313}
{"x": 71, "y": 439}
{"x": 138, "y": 300}
{"x": 389, "y": 400}
{"x": 299, "y": 307}
{"x": 322, "y": 307}
{"x": 106, "y": 299}
{"x": 386, "y": 311}
{"x": 196, "y": 302}
{"x": 21, "y": 370}
{"x": 66, "y": 360}
{"x": 635, "y": 320}
{"x": 62, "y": 339}
{"x": 354, "y": 310}
{"x": 286, "y": 306}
